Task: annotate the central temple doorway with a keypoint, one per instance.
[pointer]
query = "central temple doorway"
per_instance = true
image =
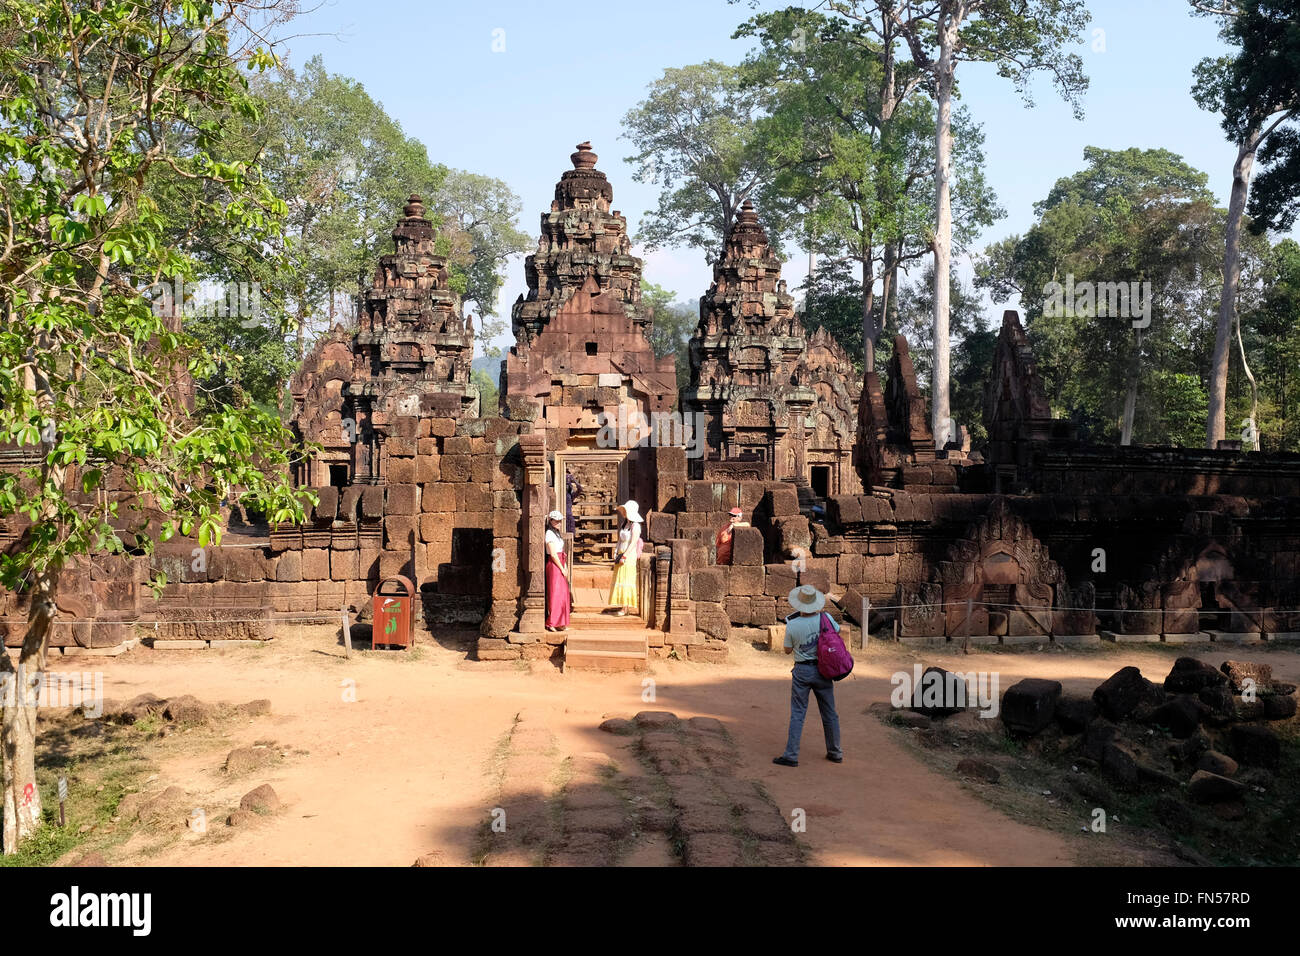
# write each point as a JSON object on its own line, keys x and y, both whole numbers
{"x": 605, "y": 481}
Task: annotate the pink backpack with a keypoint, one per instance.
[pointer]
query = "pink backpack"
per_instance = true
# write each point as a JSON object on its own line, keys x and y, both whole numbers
{"x": 833, "y": 658}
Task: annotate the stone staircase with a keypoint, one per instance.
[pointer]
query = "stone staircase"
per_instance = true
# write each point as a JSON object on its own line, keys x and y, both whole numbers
{"x": 597, "y": 641}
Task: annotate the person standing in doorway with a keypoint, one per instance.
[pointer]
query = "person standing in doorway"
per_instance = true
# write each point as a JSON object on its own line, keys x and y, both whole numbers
{"x": 557, "y": 581}
{"x": 623, "y": 594}
{"x": 726, "y": 537}
{"x": 572, "y": 492}
{"x": 801, "y": 630}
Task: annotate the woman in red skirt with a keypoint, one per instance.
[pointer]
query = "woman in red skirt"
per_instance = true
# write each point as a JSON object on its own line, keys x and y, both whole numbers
{"x": 557, "y": 584}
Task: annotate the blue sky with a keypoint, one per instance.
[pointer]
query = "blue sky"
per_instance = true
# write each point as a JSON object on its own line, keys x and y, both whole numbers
{"x": 570, "y": 71}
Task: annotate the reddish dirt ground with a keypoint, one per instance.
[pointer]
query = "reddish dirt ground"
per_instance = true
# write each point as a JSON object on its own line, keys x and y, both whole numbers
{"x": 407, "y": 769}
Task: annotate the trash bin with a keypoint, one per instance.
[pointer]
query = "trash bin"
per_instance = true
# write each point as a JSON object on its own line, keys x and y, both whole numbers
{"x": 392, "y": 617}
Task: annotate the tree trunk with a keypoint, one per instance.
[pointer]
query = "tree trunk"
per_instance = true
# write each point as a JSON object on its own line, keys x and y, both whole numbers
{"x": 22, "y": 797}
{"x": 868, "y": 317}
{"x": 940, "y": 417}
{"x": 1131, "y": 394}
{"x": 887, "y": 274}
{"x": 1216, "y": 424}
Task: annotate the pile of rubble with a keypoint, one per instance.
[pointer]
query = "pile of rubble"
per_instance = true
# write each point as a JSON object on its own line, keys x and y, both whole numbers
{"x": 1204, "y": 729}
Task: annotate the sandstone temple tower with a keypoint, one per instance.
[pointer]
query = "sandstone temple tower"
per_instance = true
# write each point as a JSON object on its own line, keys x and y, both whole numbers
{"x": 581, "y": 356}
{"x": 411, "y": 355}
{"x": 778, "y": 405}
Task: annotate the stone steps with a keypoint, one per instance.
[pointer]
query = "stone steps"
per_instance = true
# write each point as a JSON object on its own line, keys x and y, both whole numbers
{"x": 601, "y": 660}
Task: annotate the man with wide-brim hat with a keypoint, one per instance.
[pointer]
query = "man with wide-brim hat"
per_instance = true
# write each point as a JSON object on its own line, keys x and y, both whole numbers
{"x": 623, "y": 593}
{"x": 801, "y": 630}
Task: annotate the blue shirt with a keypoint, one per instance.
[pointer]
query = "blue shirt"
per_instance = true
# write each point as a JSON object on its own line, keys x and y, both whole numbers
{"x": 801, "y": 634}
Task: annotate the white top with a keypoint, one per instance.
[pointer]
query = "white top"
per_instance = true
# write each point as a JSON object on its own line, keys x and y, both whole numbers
{"x": 627, "y": 537}
{"x": 553, "y": 537}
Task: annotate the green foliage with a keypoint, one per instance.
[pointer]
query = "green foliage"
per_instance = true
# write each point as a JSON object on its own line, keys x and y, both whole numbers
{"x": 972, "y": 343}
{"x": 346, "y": 169}
{"x": 833, "y": 300}
{"x": 1257, "y": 89}
{"x": 695, "y": 135}
{"x": 1271, "y": 332}
{"x": 674, "y": 322}
{"x": 854, "y": 145}
{"x": 489, "y": 394}
{"x": 89, "y": 370}
{"x": 1129, "y": 216}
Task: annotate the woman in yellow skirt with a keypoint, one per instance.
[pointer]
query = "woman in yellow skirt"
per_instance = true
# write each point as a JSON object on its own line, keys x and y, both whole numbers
{"x": 623, "y": 595}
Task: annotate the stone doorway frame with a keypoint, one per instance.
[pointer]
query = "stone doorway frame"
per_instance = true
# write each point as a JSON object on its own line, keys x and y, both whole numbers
{"x": 616, "y": 456}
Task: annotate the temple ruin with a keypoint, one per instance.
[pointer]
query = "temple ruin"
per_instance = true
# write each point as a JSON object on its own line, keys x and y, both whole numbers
{"x": 582, "y": 368}
{"x": 775, "y": 403}
{"x": 410, "y": 355}
{"x": 1037, "y": 537}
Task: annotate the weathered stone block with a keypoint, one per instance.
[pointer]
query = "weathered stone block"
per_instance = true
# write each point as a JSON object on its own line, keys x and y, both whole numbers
{"x": 428, "y": 468}
{"x": 779, "y": 580}
{"x": 793, "y": 535}
{"x": 456, "y": 468}
{"x": 438, "y": 499}
{"x": 345, "y": 565}
{"x": 400, "y": 471}
{"x": 402, "y": 500}
{"x": 398, "y": 530}
{"x": 289, "y": 567}
{"x": 709, "y": 584}
{"x": 294, "y": 597}
{"x": 661, "y": 527}
{"x": 782, "y": 501}
{"x": 711, "y": 619}
{"x": 473, "y": 496}
{"x": 315, "y": 564}
{"x": 850, "y": 569}
{"x": 392, "y": 563}
{"x": 745, "y": 580}
{"x": 747, "y": 547}
{"x": 506, "y": 523}
{"x": 483, "y": 468}
{"x": 1029, "y": 704}
{"x": 712, "y": 653}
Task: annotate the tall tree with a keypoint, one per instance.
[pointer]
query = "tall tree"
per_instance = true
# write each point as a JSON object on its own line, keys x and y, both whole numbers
{"x": 97, "y": 99}
{"x": 833, "y": 301}
{"x": 1102, "y": 343}
{"x": 485, "y": 212}
{"x": 855, "y": 152}
{"x": 1021, "y": 38}
{"x": 695, "y": 135}
{"x": 1257, "y": 89}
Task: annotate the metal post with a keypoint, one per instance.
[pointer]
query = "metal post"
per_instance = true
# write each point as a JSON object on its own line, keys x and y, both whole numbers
{"x": 347, "y": 634}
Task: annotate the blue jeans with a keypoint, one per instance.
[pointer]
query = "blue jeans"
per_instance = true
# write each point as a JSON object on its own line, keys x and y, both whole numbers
{"x": 806, "y": 677}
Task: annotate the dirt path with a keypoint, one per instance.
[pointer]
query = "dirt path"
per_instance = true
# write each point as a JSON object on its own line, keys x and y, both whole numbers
{"x": 413, "y": 766}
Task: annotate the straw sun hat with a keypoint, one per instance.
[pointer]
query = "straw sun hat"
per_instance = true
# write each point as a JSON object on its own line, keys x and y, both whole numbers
{"x": 807, "y": 599}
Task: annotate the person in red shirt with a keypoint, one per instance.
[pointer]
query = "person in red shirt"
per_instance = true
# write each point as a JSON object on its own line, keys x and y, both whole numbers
{"x": 726, "y": 536}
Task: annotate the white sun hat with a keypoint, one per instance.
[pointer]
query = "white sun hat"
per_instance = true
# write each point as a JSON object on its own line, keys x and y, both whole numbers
{"x": 632, "y": 510}
{"x": 807, "y": 599}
